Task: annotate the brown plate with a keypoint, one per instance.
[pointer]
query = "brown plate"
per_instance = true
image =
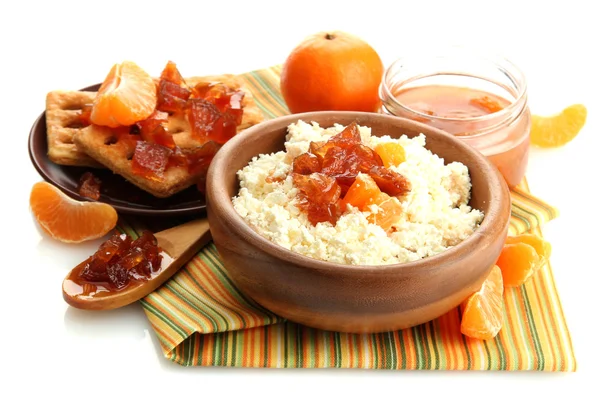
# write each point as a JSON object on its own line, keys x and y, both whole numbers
{"x": 115, "y": 190}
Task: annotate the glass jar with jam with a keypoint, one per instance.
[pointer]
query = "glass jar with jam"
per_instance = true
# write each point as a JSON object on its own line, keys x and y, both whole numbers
{"x": 482, "y": 99}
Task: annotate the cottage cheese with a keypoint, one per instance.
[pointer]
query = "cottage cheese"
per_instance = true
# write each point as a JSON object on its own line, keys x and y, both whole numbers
{"x": 437, "y": 215}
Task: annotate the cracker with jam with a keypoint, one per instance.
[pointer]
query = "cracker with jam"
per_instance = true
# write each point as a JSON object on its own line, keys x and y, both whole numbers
{"x": 165, "y": 153}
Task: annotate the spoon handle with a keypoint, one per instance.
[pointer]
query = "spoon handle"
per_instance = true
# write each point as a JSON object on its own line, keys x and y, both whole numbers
{"x": 180, "y": 243}
{"x": 184, "y": 239}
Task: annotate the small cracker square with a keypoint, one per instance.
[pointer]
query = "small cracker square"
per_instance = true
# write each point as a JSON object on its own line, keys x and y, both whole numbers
{"x": 64, "y": 107}
{"x": 102, "y": 144}
{"x": 62, "y": 123}
{"x": 99, "y": 143}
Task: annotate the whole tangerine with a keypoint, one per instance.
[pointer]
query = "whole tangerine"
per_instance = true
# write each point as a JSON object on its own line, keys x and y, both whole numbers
{"x": 332, "y": 71}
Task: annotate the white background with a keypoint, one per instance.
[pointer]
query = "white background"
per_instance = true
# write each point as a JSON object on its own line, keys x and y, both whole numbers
{"x": 49, "y": 349}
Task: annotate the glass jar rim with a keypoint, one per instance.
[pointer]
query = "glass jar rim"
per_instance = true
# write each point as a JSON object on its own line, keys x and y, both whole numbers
{"x": 509, "y": 69}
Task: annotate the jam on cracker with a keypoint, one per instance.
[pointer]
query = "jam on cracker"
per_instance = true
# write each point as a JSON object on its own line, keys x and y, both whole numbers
{"x": 214, "y": 112}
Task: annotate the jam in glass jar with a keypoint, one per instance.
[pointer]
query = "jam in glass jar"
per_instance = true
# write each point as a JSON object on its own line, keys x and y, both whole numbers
{"x": 479, "y": 98}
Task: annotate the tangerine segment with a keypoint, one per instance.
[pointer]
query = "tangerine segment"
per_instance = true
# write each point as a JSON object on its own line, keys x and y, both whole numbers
{"x": 557, "y": 130}
{"x": 392, "y": 154}
{"x": 127, "y": 95}
{"x": 483, "y": 315}
{"x": 518, "y": 261}
{"x": 362, "y": 192}
{"x": 389, "y": 211}
{"x": 487, "y": 103}
{"x": 70, "y": 220}
{"x": 542, "y": 247}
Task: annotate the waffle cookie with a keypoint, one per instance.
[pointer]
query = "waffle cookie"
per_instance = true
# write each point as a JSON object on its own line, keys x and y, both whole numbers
{"x": 62, "y": 122}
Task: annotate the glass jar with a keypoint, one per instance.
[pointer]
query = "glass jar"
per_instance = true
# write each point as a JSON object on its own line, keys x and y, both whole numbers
{"x": 479, "y": 98}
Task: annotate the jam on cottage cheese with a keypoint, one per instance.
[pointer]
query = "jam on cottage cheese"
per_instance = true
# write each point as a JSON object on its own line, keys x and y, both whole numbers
{"x": 341, "y": 195}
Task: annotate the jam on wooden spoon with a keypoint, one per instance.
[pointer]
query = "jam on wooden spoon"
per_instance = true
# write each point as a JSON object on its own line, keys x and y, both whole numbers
{"x": 124, "y": 270}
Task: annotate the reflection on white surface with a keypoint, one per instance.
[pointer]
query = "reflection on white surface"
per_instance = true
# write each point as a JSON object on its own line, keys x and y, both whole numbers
{"x": 127, "y": 322}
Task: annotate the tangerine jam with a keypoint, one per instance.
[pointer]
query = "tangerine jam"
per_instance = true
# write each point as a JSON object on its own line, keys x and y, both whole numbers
{"x": 450, "y": 102}
{"x": 480, "y": 99}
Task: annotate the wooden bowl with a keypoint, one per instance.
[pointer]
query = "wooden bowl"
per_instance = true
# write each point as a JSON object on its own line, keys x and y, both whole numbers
{"x": 350, "y": 298}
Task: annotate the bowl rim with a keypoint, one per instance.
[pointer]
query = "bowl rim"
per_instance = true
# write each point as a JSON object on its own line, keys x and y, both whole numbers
{"x": 218, "y": 200}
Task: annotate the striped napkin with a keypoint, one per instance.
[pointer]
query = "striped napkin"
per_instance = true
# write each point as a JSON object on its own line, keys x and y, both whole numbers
{"x": 202, "y": 319}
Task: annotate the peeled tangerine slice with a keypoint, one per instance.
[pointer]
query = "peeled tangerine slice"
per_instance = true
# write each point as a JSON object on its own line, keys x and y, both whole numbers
{"x": 389, "y": 211}
{"x": 518, "y": 263}
{"x": 559, "y": 129}
{"x": 542, "y": 247}
{"x": 522, "y": 256}
{"x": 362, "y": 192}
{"x": 70, "y": 220}
{"x": 391, "y": 153}
{"x": 483, "y": 315}
{"x": 127, "y": 95}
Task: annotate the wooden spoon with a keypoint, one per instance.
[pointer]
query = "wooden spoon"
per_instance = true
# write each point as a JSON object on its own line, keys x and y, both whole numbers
{"x": 179, "y": 244}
